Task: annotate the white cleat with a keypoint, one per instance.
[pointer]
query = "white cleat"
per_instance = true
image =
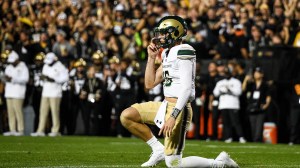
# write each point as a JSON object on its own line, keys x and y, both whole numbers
{"x": 38, "y": 134}
{"x": 19, "y": 133}
{"x": 10, "y": 133}
{"x": 155, "y": 158}
{"x": 229, "y": 140}
{"x": 242, "y": 140}
{"x": 54, "y": 134}
{"x": 224, "y": 160}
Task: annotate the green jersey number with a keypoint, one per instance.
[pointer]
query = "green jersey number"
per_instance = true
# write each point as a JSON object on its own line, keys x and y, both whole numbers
{"x": 168, "y": 81}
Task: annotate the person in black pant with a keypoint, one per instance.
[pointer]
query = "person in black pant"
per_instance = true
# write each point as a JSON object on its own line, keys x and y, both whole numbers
{"x": 259, "y": 99}
{"x": 216, "y": 73}
{"x": 295, "y": 114}
{"x": 91, "y": 93}
{"x": 197, "y": 104}
{"x": 124, "y": 90}
{"x": 3, "y": 112}
{"x": 77, "y": 78}
{"x": 37, "y": 83}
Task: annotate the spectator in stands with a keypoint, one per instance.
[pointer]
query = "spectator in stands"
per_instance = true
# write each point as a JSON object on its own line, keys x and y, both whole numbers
{"x": 16, "y": 77}
{"x": 37, "y": 31}
{"x": 25, "y": 48}
{"x": 54, "y": 74}
{"x": 259, "y": 99}
{"x": 100, "y": 42}
{"x": 83, "y": 47}
{"x": 62, "y": 48}
{"x": 257, "y": 40}
{"x": 128, "y": 42}
{"x": 114, "y": 47}
{"x": 45, "y": 44}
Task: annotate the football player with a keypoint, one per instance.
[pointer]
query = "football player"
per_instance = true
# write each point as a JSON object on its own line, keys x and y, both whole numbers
{"x": 174, "y": 114}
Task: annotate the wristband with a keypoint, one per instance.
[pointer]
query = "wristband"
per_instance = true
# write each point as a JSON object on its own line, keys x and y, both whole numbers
{"x": 175, "y": 113}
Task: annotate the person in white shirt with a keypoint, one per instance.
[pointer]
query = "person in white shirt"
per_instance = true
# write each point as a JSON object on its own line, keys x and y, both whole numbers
{"x": 54, "y": 74}
{"x": 16, "y": 77}
{"x": 228, "y": 90}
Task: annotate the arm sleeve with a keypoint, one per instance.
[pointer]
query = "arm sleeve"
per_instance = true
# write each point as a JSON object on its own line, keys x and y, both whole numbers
{"x": 216, "y": 90}
{"x": 186, "y": 68}
{"x": 236, "y": 89}
{"x": 63, "y": 75}
{"x": 21, "y": 77}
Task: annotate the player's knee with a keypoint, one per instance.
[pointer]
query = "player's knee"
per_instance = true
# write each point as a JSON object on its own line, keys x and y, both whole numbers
{"x": 124, "y": 116}
{"x": 127, "y": 116}
{"x": 173, "y": 161}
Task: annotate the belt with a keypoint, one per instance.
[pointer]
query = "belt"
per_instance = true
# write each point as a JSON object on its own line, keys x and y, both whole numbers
{"x": 173, "y": 99}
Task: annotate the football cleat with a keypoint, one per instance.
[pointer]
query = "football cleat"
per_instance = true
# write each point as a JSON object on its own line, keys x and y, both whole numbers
{"x": 155, "y": 158}
{"x": 38, "y": 134}
{"x": 10, "y": 133}
{"x": 54, "y": 134}
{"x": 223, "y": 160}
{"x": 229, "y": 140}
{"x": 242, "y": 140}
{"x": 19, "y": 134}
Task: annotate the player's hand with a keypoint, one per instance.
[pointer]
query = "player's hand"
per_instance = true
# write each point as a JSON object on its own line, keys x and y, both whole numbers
{"x": 7, "y": 78}
{"x": 168, "y": 127}
{"x": 153, "y": 50}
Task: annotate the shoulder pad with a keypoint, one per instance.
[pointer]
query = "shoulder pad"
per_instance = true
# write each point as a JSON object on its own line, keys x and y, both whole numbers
{"x": 186, "y": 52}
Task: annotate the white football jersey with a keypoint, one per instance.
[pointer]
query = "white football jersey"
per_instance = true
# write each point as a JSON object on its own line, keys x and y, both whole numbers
{"x": 171, "y": 69}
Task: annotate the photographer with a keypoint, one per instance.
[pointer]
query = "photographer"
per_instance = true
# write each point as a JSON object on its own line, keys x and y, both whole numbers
{"x": 259, "y": 99}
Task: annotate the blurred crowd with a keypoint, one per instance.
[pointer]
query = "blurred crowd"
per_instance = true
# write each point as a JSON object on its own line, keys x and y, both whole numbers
{"x": 103, "y": 46}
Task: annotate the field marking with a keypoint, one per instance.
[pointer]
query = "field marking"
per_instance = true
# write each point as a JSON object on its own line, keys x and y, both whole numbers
{"x": 39, "y": 152}
{"x": 83, "y": 166}
{"x": 248, "y": 147}
{"x": 127, "y": 143}
{"x": 294, "y": 166}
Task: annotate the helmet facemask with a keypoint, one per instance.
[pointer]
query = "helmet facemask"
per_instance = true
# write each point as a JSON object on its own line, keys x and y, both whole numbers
{"x": 163, "y": 37}
{"x": 171, "y": 29}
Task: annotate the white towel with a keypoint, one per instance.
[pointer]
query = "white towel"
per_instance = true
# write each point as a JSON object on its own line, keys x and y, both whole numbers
{"x": 159, "y": 119}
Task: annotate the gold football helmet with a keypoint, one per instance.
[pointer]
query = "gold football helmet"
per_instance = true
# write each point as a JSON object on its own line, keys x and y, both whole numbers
{"x": 114, "y": 60}
{"x": 80, "y": 62}
{"x": 40, "y": 56}
{"x": 98, "y": 55}
{"x": 4, "y": 55}
{"x": 172, "y": 29}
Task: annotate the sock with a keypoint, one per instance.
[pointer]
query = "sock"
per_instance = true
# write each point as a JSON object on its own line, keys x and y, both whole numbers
{"x": 196, "y": 161}
{"x": 155, "y": 144}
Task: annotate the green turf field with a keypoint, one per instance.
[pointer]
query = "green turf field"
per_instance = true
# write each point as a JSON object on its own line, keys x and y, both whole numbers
{"x": 130, "y": 152}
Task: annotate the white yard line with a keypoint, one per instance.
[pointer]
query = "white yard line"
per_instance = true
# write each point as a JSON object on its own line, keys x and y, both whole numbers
{"x": 82, "y": 166}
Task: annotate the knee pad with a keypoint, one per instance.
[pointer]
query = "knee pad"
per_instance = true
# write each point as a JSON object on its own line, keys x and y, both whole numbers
{"x": 173, "y": 161}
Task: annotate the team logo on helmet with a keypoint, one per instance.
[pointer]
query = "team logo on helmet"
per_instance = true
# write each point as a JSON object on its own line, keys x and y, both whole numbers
{"x": 171, "y": 29}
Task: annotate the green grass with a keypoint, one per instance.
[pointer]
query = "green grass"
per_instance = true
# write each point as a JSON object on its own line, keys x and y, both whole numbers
{"x": 130, "y": 152}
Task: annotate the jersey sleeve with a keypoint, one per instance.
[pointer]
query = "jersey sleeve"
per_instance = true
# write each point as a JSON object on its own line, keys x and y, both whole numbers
{"x": 186, "y": 52}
